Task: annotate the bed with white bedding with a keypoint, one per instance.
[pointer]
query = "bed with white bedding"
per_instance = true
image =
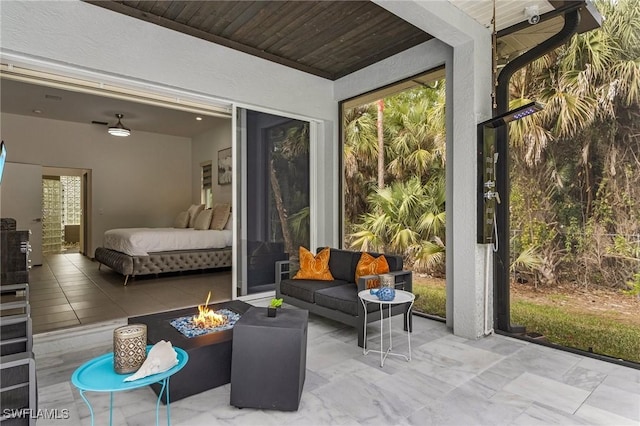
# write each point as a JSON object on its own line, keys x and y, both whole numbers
{"x": 142, "y": 241}
{"x": 142, "y": 251}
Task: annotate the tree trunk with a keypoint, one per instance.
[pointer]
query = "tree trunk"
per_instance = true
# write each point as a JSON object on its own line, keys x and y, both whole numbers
{"x": 282, "y": 213}
{"x": 380, "y": 143}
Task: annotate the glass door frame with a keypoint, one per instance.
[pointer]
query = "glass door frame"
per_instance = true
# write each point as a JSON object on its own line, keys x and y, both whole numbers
{"x": 239, "y": 190}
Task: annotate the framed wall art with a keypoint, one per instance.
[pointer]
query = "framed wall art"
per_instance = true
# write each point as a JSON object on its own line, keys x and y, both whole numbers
{"x": 224, "y": 166}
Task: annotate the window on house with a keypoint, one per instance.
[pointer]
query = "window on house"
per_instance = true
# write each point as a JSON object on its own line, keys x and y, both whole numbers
{"x": 206, "y": 194}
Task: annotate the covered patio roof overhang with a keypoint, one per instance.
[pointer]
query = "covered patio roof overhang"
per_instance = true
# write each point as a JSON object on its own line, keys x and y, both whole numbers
{"x": 303, "y": 58}
{"x": 332, "y": 39}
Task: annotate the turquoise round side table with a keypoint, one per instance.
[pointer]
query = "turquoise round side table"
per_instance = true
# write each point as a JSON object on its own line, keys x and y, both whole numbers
{"x": 98, "y": 375}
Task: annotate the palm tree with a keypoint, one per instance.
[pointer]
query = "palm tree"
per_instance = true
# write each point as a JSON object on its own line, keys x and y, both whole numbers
{"x": 360, "y": 155}
{"x": 416, "y": 130}
{"x": 408, "y": 216}
{"x": 287, "y": 157}
{"x": 409, "y": 219}
{"x": 380, "y": 131}
{"x": 580, "y": 153}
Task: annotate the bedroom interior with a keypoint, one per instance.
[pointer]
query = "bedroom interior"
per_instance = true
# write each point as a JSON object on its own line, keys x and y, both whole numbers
{"x": 75, "y": 293}
{"x": 268, "y": 137}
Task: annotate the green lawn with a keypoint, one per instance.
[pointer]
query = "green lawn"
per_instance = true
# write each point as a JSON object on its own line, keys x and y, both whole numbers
{"x": 430, "y": 300}
{"x": 581, "y": 331}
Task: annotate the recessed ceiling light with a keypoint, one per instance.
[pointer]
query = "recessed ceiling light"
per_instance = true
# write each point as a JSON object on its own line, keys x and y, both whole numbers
{"x": 199, "y": 118}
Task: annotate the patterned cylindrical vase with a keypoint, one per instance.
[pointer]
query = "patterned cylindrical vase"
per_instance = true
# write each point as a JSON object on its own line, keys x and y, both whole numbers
{"x": 129, "y": 348}
{"x": 387, "y": 280}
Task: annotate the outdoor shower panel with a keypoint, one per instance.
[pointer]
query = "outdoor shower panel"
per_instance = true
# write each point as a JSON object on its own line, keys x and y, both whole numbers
{"x": 488, "y": 196}
{"x": 487, "y": 153}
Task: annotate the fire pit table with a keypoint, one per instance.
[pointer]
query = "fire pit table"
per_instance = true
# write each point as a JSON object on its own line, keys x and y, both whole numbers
{"x": 209, "y": 363}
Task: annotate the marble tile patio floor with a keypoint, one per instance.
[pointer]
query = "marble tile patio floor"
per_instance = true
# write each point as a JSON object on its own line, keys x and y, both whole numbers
{"x": 449, "y": 381}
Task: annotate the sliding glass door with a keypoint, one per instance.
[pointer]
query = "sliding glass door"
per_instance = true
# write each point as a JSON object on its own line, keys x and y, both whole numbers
{"x": 272, "y": 195}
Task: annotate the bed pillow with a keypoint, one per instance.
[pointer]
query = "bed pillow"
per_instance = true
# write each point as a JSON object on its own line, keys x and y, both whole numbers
{"x": 182, "y": 220}
{"x": 193, "y": 213}
{"x": 220, "y": 216}
{"x": 203, "y": 220}
{"x": 229, "y": 225}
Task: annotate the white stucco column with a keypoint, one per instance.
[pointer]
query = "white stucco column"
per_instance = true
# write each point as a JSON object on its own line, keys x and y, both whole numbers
{"x": 468, "y": 74}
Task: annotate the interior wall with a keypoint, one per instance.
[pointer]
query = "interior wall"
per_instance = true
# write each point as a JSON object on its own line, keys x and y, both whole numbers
{"x": 141, "y": 180}
{"x": 94, "y": 38}
{"x": 205, "y": 147}
{"x": 87, "y": 41}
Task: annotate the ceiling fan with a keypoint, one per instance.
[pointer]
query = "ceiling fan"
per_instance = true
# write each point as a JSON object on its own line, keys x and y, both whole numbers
{"x": 117, "y": 129}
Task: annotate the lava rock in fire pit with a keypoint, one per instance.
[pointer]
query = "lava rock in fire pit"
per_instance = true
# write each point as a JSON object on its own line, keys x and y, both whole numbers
{"x": 188, "y": 328}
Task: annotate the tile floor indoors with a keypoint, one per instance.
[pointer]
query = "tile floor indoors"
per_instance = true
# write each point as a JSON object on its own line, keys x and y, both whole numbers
{"x": 68, "y": 290}
{"x": 449, "y": 381}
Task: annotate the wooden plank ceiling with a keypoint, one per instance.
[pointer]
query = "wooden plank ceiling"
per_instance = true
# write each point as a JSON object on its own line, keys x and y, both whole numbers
{"x": 327, "y": 38}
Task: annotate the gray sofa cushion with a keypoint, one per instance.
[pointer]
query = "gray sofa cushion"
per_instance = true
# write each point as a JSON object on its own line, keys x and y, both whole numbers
{"x": 343, "y": 263}
{"x": 343, "y": 298}
{"x": 305, "y": 289}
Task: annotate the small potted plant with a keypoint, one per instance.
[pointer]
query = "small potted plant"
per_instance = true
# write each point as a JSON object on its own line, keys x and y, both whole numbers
{"x": 273, "y": 306}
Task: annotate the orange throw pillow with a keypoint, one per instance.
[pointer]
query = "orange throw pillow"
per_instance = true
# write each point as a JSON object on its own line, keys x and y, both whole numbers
{"x": 369, "y": 265}
{"x": 314, "y": 267}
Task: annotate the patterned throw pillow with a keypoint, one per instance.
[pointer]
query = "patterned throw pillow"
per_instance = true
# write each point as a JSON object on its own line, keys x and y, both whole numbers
{"x": 203, "y": 220}
{"x": 182, "y": 220}
{"x": 314, "y": 267}
{"x": 369, "y": 265}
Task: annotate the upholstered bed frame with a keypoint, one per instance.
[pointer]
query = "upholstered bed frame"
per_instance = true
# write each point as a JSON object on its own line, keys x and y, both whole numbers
{"x": 166, "y": 261}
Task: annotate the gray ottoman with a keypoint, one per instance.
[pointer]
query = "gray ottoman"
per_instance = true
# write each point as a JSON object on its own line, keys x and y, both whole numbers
{"x": 269, "y": 359}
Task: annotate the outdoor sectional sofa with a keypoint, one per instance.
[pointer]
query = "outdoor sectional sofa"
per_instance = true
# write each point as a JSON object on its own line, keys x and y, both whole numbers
{"x": 338, "y": 299}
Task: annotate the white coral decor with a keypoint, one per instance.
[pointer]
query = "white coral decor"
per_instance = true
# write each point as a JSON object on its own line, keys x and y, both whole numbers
{"x": 161, "y": 357}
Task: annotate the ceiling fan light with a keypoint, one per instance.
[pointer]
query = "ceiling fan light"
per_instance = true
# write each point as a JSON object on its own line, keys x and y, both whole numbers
{"x": 118, "y": 129}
